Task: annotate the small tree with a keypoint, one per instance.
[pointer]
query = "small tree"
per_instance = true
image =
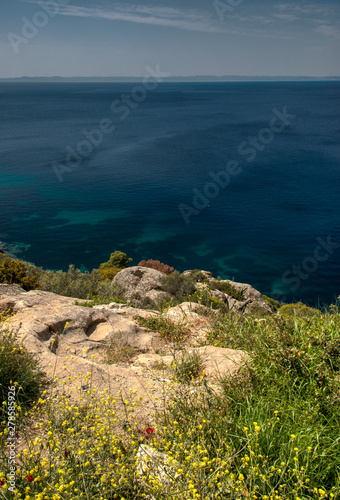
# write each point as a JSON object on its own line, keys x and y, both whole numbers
{"x": 117, "y": 259}
{"x": 14, "y": 272}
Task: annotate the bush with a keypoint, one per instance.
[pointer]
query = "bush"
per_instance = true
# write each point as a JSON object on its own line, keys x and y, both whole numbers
{"x": 117, "y": 259}
{"x": 108, "y": 273}
{"x": 272, "y": 303}
{"x": 179, "y": 286}
{"x": 156, "y": 264}
{"x": 18, "y": 369}
{"x": 300, "y": 310}
{"x": 203, "y": 297}
{"x": 198, "y": 276}
{"x": 228, "y": 288}
{"x": 14, "y": 272}
{"x": 72, "y": 283}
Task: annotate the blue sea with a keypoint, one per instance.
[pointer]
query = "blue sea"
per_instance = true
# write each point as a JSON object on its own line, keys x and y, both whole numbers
{"x": 240, "y": 179}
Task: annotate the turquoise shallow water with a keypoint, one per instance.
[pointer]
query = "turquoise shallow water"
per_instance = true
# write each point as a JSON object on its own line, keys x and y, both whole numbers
{"x": 126, "y": 194}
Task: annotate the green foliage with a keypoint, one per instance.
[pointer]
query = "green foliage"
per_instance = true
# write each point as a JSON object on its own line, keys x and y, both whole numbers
{"x": 3, "y": 256}
{"x": 225, "y": 287}
{"x": 14, "y": 272}
{"x": 188, "y": 368}
{"x": 20, "y": 369}
{"x": 117, "y": 259}
{"x": 300, "y": 310}
{"x": 116, "y": 294}
{"x": 179, "y": 286}
{"x": 272, "y": 303}
{"x": 108, "y": 273}
{"x": 72, "y": 283}
{"x": 198, "y": 276}
{"x": 275, "y": 423}
{"x": 77, "y": 284}
{"x": 167, "y": 329}
{"x": 203, "y": 297}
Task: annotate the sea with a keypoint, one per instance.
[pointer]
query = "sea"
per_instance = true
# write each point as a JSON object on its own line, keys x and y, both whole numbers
{"x": 240, "y": 179}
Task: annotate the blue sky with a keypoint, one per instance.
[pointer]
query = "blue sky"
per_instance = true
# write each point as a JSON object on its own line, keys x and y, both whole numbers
{"x": 187, "y": 37}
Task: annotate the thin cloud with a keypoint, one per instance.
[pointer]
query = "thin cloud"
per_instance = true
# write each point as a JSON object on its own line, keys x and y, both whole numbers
{"x": 286, "y": 17}
{"x": 328, "y": 30}
{"x": 159, "y": 16}
{"x": 304, "y": 9}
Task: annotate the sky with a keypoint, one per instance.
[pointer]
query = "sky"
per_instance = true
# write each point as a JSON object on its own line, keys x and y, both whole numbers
{"x": 184, "y": 37}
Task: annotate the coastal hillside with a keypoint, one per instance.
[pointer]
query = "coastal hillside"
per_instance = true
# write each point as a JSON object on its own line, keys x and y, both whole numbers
{"x": 164, "y": 385}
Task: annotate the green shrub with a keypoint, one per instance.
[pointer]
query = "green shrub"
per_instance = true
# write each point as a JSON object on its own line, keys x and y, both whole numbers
{"x": 203, "y": 297}
{"x": 228, "y": 288}
{"x": 272, "y": 303}
{"x": 108, "y": 273}
{"x": 117, "y": 259}
{"x": 198, "y": 276}
{"x": 300, "y": 310}
{"x": 14, "y": 272}
{"x": 72, "y": 283}
{"x": 20, "y": 369}
{"x": 179, "y": 286}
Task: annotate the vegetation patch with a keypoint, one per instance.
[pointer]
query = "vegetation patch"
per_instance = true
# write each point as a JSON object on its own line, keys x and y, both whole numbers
{"x": 157, "y": 265}
{"x": 272, "y": 303}
{"x": 118, "y": 350}
{"x": 188, "y": 368}
{"x": 167, "y": 329}
{"x": 270, "y": 432}
{"x": 14, "y": 272}
{"x": 300, "y": 310}
{"x": 178, "y": 286}
{"x": 20, "y": 369}
{"x": 228, "y": 288}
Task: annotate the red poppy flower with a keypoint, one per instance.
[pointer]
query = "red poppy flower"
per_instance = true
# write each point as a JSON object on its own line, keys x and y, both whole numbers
{"x": 149, "y": 430}
{"x": 1, "y": 483}
{"x": 30, "y": 478}
{"x": 65, "y": 453}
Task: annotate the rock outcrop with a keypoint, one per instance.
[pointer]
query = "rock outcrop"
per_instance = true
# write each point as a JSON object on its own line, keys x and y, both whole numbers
{"x": 108, "y": 341}
{"x": 141, "y": 282}
{"x": 71, "y": 340}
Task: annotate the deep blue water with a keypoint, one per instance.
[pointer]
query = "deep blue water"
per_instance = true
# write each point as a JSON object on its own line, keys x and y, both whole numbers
{"x": 125, "y": 195}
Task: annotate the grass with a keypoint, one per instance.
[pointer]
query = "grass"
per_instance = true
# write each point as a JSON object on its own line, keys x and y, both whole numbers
{"x": 19, "y": 369}
{"x": 227, "y": 288}
{"x": 119, "y": 350}
{"x": 188, "y": 368}
{"x": 271, "y": 432}
{"x": 167, "y": 329}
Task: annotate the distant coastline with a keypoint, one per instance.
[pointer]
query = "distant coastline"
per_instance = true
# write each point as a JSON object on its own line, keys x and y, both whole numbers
{"x": 169, "y": 79}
